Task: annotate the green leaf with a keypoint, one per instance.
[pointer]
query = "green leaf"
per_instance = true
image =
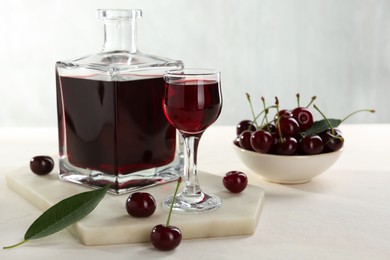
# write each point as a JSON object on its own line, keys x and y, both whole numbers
{"x": 322, "y": 125}
{"x": 63, "y": 214}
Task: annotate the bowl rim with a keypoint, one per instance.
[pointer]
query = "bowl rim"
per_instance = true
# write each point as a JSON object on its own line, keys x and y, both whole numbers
{"x": 297, "y": 156}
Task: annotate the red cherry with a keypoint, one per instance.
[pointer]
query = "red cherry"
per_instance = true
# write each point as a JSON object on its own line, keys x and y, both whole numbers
{"x": 286, "y": 146}
{"x": 245, "y": 140}
{"x": 237, "y": 141}
{"x": 284, "y": 113}
{"x": 270, "y": 127}
{"x": 245, "y": 125}
{"x": 235, "y": 181}
{"x": 333, "y": 140}
{"x": 311, "y": 144}
{"x": 261, "y": 141}
{"x": 165, "y": 238}
{"x": 288, "y": 126}
{"x": 41, "y": 164}
{"x": 140, "y": 204}
{"x": 304, "y": 117}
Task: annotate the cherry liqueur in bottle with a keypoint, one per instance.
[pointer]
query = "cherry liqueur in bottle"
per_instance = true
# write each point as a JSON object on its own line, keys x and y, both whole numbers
{"x": 111, "y": 124}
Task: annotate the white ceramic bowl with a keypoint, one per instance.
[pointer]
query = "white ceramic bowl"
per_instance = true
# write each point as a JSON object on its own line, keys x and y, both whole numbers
{"x": 287, "y": 169}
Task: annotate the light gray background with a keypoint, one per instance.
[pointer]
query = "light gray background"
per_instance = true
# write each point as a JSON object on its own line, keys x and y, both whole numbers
{"x": 338, "y": 50}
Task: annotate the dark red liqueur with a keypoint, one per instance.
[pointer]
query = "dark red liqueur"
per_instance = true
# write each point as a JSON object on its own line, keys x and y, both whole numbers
{"x": 192, "y": 105}
{"x": 114, "y": 127}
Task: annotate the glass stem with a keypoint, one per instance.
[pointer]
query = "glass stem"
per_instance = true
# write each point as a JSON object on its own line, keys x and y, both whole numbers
{"x": 192, "y": 188}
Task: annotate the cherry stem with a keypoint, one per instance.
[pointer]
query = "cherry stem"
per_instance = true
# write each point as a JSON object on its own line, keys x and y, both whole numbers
{"x": 278, "y": 119}
{"x": 279, "y": 130}
{"x": 277, "y": 106}
{"x": 358, "y": 111}
{"x": 311, "y": 101}
{"x": 259, "y": 115}
{"x": 266, "y": 110}
{"x": 173, "y": 202}
{"x": 326, "y": 119}
{"x": 266, "y": 119}
{"x": 298, "y": 98}
{"x": 253, "y": 112}
{"x": 18, "y": 244}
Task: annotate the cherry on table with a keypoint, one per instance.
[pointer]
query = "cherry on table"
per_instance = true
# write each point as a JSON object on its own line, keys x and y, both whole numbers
{"x": 235, "y": 181}
{"x": 41, "y": 164}
{"x": 165, "y": 238}
{"x": 140, "y": 204}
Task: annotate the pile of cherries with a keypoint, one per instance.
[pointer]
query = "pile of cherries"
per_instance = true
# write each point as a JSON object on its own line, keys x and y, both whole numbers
{"x": 290, "y": 132}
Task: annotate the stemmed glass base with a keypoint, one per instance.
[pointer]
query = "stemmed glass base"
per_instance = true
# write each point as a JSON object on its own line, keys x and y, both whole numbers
{"x": 192, "y": 199}
{"x": 196, "y": 203}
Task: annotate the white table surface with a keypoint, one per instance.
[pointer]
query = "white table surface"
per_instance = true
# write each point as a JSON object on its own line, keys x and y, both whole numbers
{"x": 341, "y": 214}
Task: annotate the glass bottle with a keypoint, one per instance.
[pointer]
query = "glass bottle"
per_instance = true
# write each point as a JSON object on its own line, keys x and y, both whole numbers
{"x": 111, "y": 124}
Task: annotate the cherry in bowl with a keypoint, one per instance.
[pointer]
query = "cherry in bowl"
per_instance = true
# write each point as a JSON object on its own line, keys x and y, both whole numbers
{"x": 304, "y": 117}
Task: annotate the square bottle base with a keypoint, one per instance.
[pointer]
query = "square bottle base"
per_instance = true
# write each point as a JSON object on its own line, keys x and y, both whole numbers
{"x": 121, "y": 183}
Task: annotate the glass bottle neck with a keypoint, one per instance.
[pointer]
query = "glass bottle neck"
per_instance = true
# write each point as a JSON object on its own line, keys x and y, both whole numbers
{"x": 120, "y": 35}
